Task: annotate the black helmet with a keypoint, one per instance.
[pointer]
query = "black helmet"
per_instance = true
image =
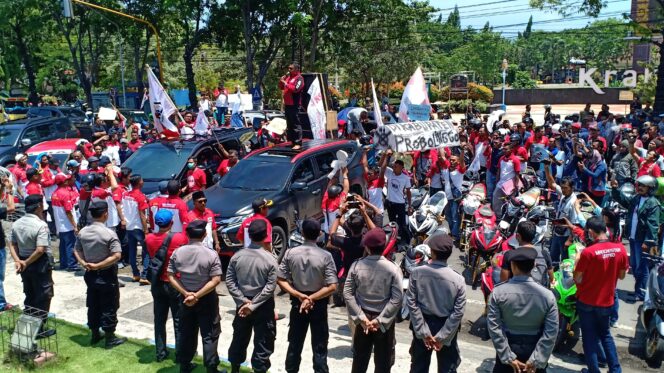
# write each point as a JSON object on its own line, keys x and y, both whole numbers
{"x": 547, "y": 107}
{"x": 476, "y": 123}
{"x": 528, "y": 120}
{"x": 334, "y": 190}
{"x": 89, "y": 179}
{"x": 365, "y": 140}
{"x": 515, "y": 137}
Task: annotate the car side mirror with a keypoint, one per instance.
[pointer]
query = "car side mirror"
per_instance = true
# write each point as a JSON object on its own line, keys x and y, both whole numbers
{"x": 26, "y": 142}
{"x": 299, "y": 186}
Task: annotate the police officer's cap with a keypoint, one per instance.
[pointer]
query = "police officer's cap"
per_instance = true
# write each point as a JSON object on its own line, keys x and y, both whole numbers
{"x": 32, "y": 172}
{"x": 98, "y": 207}
{"x": 441, "y": 242}
{"x": 32, "y": 201}
{"x": 196, "y": 228}
{"x": 93, "y": 159}
{"x": 104, "y": 160}
{"x": 258, "y": 230}
{"x": 524, "y": 255}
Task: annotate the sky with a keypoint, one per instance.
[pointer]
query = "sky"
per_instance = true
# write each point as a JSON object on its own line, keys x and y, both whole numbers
{"x": 476, "y": 13}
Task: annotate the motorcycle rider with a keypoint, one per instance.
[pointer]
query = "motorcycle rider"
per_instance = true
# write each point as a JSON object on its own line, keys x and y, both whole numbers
{"x": 641, "y": 225}
{"x": 436, "y": 301}
{"x": 522, "y": 319}
{"x": 564, "y": 209}
{"x": 597, "y": 270}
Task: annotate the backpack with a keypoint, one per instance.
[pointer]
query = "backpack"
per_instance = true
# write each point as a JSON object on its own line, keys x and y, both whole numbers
{"x": 157, "y": 262}
{"x": 540, "y": 272}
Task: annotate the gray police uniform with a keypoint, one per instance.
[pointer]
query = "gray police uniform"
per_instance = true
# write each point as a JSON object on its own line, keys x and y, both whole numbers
{"x": 252, "y": 276}
{"x": 28, "y": 233}
{"x": 436, "y": 299}
{"x": 308, "y": 268}
{"x": 373, "y": 291}
{"x": 523, "y": 323}
{"x": 95, "y": 243}
{"x": 197, "y": 265}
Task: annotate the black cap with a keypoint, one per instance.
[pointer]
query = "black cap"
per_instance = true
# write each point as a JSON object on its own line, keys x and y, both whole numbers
{"x": 32, "y": 201}
{"x": 31, "y": 172}
{"x": 524, "y": 255}
{"x": 93, "y": 159}
{"x": 104, "y": 160}
{"x": 260, "y": 203}
{"x": 196, "y": 228}
{"x": 441, "y": 243}
{"x": 98, "y": 207}
{"x": 310, "y": 228}
{"x": 258, "y": 230}
{"x": 197, "y": 195}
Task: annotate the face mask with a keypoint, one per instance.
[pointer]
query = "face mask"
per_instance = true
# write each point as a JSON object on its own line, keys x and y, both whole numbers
{"x": 190, "y": 165}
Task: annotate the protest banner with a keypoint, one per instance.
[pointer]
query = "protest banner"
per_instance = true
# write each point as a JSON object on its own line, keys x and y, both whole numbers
{"x": 106, "y": 113}
{"x": 419, "y": 112}
{"x": 416, "y": 136}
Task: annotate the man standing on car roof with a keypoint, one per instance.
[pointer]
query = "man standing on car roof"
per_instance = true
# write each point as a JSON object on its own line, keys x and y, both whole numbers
{"x": 261, "y": 208}
{"x": 292, "y": 85}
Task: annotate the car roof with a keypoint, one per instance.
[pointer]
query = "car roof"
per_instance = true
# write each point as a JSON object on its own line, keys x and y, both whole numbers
{"x": 220, "y": 133}
{"x": 22, "y": 123}
{"x": 308, "y": 147}
{"x": 59, "y": 144}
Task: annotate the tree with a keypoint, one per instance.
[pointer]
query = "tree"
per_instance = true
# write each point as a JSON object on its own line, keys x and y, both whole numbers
{"x": 454, "y": 19}
{"x": 529, "y": 27}
{"x": 645, "y": 27}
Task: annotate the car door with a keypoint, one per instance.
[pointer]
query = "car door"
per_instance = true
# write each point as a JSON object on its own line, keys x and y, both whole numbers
{"x": 30, "y": 134}
{"x": 307, "y": 199}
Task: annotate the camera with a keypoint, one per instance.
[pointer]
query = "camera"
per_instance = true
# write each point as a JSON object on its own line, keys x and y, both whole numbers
{"x": 352, "y": 201}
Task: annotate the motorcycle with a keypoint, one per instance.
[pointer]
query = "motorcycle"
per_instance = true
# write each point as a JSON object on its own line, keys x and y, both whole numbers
{"x": 652, "y": 312}
{"x": 415, "y": 256}
{"x": 428, "y": 218}
{"x": 485, "y": 240}
{"x": 564, "y": 289}
{"x": 491, "y": 276}
{"x": 470, "y": 203}
{"x": 517, "y": 207}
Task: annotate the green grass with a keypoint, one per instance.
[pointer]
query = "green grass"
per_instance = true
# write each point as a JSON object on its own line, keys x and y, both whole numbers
{"x": 76, "y": 355}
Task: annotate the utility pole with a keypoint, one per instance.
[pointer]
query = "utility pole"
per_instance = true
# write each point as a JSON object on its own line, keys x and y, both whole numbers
{"x": 504, "y": 77}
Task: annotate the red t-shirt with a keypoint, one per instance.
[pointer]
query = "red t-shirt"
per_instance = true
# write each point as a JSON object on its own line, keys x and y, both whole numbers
{"x": 243, "y": 232}
{"x": 19, "y": 173}
{"x": 33, "y": 188}
{"x": 153, "y": 242}
{"x": 648, "y": 168}
{"x": 134, "y": 146}
{"x": 196, "y": 180}
{"x": 224, "y": 167}
{"x": 207, "y": 216}
{"x": 600, "y": 264}
{"x": 521, "y": 152}
{"x": 332, "y": 204}
{"x": 531, "y": 140}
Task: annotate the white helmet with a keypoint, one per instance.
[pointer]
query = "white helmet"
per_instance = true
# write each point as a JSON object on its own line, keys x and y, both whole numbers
{"x": 648, "y": 181}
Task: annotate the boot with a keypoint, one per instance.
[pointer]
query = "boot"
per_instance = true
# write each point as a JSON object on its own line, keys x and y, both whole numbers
{"x": 112, "y": 340}
{"x": 235, "y": 368}
{"x": 96, "y": 337}
{"x": 187, "y": 367}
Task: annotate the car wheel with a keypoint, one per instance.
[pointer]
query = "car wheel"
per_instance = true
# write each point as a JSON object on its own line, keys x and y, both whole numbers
{"x": 279, "y": 243}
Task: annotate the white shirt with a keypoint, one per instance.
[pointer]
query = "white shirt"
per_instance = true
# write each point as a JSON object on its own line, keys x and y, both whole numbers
{"x": 130, "y": 210}
{"x": 396, "y": 186}
{"x": 203, "y": 105}
{"x": 455, "y": 177}
{"x": 560, "y": 156}
{"x": 506, "y": 172}
{"x": 222, "y": 100}
{"x": 635, "y": 218}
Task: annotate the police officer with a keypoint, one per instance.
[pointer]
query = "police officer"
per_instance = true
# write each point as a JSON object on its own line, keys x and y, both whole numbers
{"x": 98, "y": 250}
{"x": 199, "y": 269}
{"x": 373, "y": 297}
{"x": 251, "y": 280}
{"x": 522, "y": 319}
{"x": 308, "y": 274}
{"x": 30, "y": 248}
{"x": 436, "y": 300}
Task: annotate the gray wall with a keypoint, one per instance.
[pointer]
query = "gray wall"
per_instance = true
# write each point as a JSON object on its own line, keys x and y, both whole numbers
{"x": 557, "y": 96}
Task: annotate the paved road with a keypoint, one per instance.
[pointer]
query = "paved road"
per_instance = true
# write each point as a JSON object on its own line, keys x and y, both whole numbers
{"x": 135, "y": 317}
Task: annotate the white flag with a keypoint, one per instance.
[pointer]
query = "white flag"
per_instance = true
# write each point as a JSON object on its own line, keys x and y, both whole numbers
{"x": 316, "y": 110}
{"x": 378, "y": 114}
{"x": 415, "y": 93}
{"x": 202, "y": 124}
{"x": 161, "y": 105}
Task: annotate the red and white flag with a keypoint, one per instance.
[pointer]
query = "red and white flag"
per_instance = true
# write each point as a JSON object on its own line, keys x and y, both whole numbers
{"x": 161, "y": 105}
{"x": 415, "y": 93}
{"x": 378, "y": 114}
{"x": 202, "y": 126}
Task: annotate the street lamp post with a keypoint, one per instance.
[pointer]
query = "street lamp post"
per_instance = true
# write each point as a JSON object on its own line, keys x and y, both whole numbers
{"x": 504, "y": 77}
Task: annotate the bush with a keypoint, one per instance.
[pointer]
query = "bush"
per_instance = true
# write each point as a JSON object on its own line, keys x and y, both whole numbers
{"x": 476, "y": 92}
{"x": 460, "y": 106}
{"x": 522, "y": 80}
{"x": 396, "y": 89}
{"x": 334, "y": 92}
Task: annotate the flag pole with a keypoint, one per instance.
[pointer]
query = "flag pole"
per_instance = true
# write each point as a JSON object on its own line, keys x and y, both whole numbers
{"x": 169, "y": 97}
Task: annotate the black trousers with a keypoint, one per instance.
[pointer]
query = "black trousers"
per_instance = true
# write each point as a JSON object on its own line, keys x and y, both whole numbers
{"x": 316, "y": 320}
{"x": 51, "y": 224}
{"x": 293, "y": 125}
{"x": 396, "y": 212}
{"x": 103, "y": 299}
{"x": 382, "y": 344}
{"x": 523, "y": 346}
{"x": 264, "y": 327}
{"x": 38, "y": 285}
{"x": 122, "y": 236}
{"x": 204, "y": 315}
{"x": 420, "y": 357}
{"x": 165, "y": 298}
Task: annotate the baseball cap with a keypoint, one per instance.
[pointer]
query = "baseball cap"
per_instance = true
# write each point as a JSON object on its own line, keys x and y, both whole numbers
{"x": 73, "y": 163}
{"x": 104, "y": 160}
{"x": 260, "y": 203}
{"x": 32, "y": 172}
{"x": 93, "y": 159}
{"x": 61, "y": 178}
{"x": 163, "y": 217}
{"x": 576, "y": 125}
{"x": 124, "y": 141}
{"x": 374, "y": 238}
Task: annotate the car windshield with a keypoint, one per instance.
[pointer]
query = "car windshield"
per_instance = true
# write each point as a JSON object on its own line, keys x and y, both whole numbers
{"x": 61, "y": 158}
{"x": 256, "y": 175}
{"x": 73, "y": 113}
{"x": 8, "y": 136}
{"x": 157, "y": 161}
